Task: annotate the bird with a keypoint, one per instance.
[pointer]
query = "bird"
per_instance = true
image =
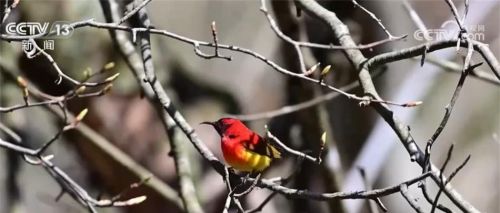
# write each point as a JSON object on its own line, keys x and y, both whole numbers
{"x": 242, "y": 148}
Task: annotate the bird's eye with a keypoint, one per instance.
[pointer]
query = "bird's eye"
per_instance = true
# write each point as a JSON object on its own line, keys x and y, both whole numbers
{"x": 231, "y": 136}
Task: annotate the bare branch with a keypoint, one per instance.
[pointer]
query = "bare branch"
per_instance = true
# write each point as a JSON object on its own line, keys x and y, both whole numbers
{"x": 369, "y": 194}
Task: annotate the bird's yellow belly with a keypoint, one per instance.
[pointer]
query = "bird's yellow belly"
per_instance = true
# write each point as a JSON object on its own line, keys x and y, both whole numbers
{"x": 247, "y": 161}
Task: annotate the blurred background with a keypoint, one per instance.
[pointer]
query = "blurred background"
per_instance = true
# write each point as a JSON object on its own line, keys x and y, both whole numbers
{"x": 205, "y": 90}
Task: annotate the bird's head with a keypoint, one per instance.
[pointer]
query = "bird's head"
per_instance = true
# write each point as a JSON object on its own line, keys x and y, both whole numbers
{"x": 223, "y": 124}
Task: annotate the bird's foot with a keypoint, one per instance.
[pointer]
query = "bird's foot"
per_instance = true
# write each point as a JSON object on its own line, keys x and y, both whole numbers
{"x": 245, "y": 179}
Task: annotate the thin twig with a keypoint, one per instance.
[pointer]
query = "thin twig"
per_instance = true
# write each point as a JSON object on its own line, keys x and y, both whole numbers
{"x": 216, "y": 43}
{"x": 374, "y": 17}
{"x": 442, "y": 184}
{"x": 7, "y": 10}
{"x": 377, "y": 200}
{"x": 227, "y": 203}
{"x": 466, "y": 10}
{"x": 410, "y": 199}
{"x": 423, "y": 187}
{"x": 456, "y": 68}
{"x": 421, "y": 26}
{"x": 451, "y": 104}
{"x": 416, "y": 19}
{"x": 289, "y": 150}
{"x": 10, "y": 132}
{"x": 133, "y": 12}
{"x": 238, "y": 204}
{"x": 455, "y": 14}
{"x": 458, "y": 169}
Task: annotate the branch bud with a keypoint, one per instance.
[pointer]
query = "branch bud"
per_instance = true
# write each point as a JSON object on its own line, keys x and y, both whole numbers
{"x": 26, "y": 94}
{"x": 322, "y": 146}
{"x": 22, "y": 82}
{"x": 112, "y": 78}
{"x": 323, "y": 139}
{"x": 412, "y": 104}
{"x": 109, "y": 66}
{"x": 135, "y": 200}
{"x": 87, "y": 72}
{"x": 312, "y": 69}
{"x": 81, "y": 115}
{"x": 212, "y": 26}
{"x": 107, "y": 88}
{"x": 326, "y": 70}
{"x": 80, "y": 90}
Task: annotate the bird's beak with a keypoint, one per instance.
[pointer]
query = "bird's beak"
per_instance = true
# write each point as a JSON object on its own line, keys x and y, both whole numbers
{"x": 214, "y": 124}
{"x": 208, "y": 123}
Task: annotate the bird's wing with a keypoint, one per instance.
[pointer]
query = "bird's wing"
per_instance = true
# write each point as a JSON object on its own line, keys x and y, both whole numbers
{"x": 260, "y": 146}
{"x": 272, "y": 151}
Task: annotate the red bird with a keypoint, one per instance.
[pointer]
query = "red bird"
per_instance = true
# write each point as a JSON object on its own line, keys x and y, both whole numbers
{"x": 243, "y": 149}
